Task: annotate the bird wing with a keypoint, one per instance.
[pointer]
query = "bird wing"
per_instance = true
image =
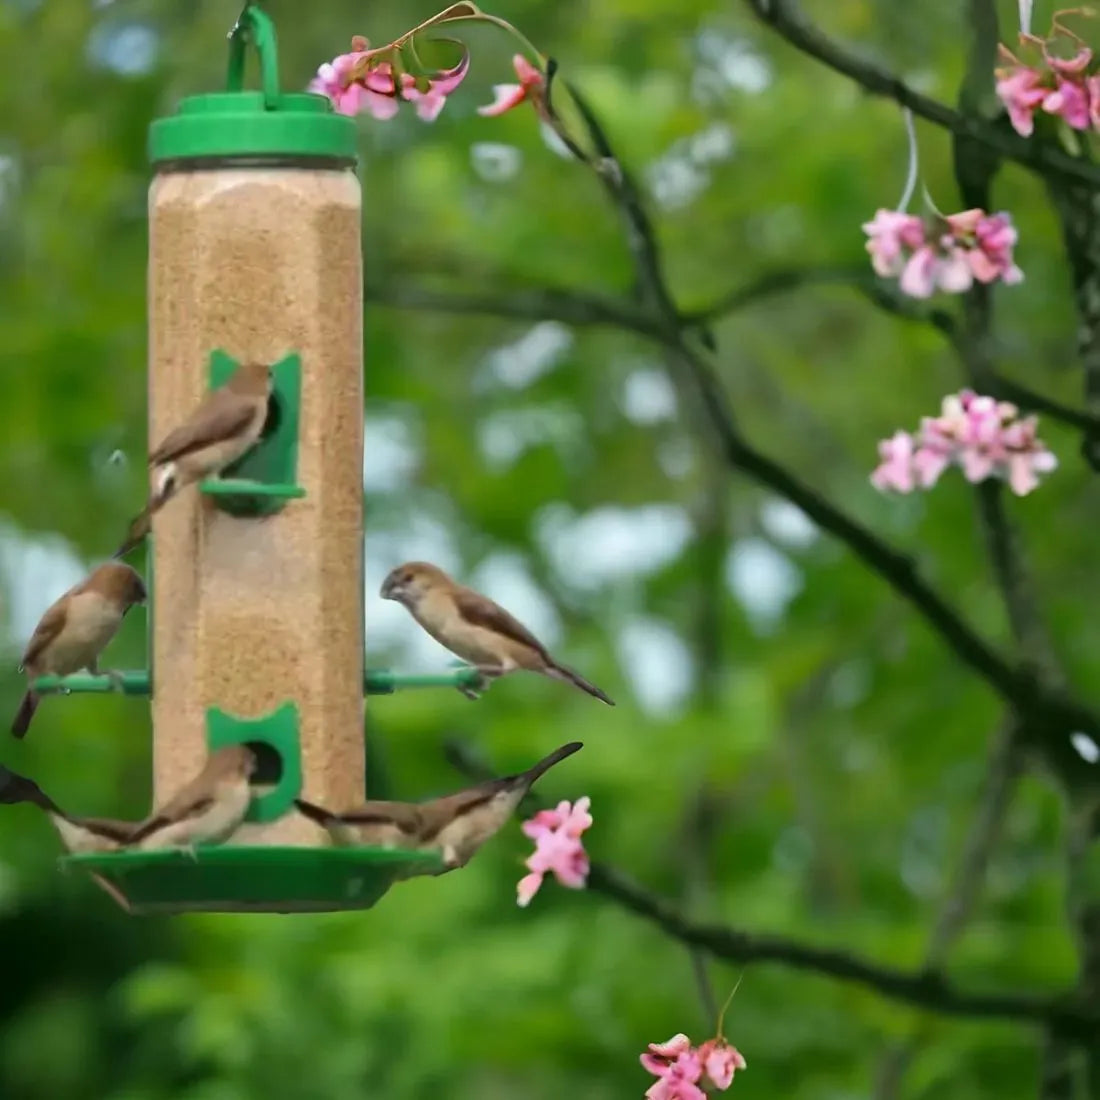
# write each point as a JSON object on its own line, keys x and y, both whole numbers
{"x": 49, "y": 626}
{"x": 221, "y": 415}
{"x": 404, "y": 815}
{"x": 479, "y": 610}
{"x": 118, "y": 831}
{"x": 190, "y": 802}
{"x": 442, "y": 811}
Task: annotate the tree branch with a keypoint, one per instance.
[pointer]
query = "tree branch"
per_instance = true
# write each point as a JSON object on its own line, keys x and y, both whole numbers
{"x": 580, "y": 308}
{"x": 1050, "y": 716}
{"x": 924, "y": 990}
{"x": 588, "y": 309}
{"x": 1050, "y": 713}
{"x": 784, "y": 17}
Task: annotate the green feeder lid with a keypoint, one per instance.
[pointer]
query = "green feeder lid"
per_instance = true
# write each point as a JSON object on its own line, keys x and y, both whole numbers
{"x": 266, "y": 123}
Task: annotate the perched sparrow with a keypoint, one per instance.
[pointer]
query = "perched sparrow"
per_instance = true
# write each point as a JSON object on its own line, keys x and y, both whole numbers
{"x": 473, "y": 626}
{"x": 78, "y": 834}
{"x": 227, "y": 423}
{"x": 75, "y": 630}
{"x": 209, "y": 808}
{"x": 456, "y": 825}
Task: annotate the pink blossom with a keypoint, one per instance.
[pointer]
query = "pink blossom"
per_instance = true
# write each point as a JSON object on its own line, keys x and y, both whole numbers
{"x": 428, "y": 103}
{"x": 984, "y": 437}
{"x": 660, "y": 1056}
{"x": 918, "y": 277}
{"x": 896, "y": 469}
{"x": 509, "y": 96}
{"x": 1072, "y": 66}
{"x": 952, "y": 272}
{"x": 430, "y": 94}
{"x": 527, "y": 888}
{"x": 679, "y": 1082}
{"x": 352, "y": 97}
{"x": 995, "y": 237}
{"x": 558, "y": 848}
{"x": 363, "y": 81}
{"x": 1092, "y": 84}
{"x": 1020, "y": 90}
{"x": 720, "y": 1061}
{"x": 891, "y": 232}
{"x": 1070, "y": 100}
{"x": 677, "y": 1068}
{"x": 947, "y": 254}
{"x": 966, "y": 222}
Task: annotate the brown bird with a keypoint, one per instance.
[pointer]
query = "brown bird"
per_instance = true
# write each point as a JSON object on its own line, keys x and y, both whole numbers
{"x": 76, "y": 628}
{"x": 78, "y": 834}
{"x": 227, "y": 424}
{"x": 474, "y": 627}
{"x": 209, "y": 808}
{"x": 456, "y": 825}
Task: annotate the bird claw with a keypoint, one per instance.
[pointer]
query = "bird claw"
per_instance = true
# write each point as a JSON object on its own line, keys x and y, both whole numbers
{"x": 481, "y": 684}
{"x": 117, "y": 682}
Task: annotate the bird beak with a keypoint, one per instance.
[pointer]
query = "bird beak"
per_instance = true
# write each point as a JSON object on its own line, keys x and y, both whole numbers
{"x": 391, "y": 590}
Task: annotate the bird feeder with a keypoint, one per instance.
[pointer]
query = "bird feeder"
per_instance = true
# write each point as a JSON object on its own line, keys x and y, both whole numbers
{"x": 256, "y": 580}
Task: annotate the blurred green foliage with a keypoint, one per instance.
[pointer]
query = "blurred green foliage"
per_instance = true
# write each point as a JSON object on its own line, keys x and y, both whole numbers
{"x": 842, "y": 746}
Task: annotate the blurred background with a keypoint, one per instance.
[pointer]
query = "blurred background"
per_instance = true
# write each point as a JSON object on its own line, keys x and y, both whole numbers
{"x": 793, "y": 751}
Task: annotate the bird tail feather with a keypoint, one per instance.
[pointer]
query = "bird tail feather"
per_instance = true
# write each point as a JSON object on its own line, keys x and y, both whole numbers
{"x": 314, "y": 812}
{"x": 568, "y": 676}
{"x": 532, "y": 775}
{"x": 22, "y": 721}
{"x": 18, "y": 788}
{"x": 168, "y": 484}
{"x": 139, "y": 527}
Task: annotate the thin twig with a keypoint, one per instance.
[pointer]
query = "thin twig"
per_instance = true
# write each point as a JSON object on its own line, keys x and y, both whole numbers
{"x": 985, "y": 831}
{"x": 784, "y": 17}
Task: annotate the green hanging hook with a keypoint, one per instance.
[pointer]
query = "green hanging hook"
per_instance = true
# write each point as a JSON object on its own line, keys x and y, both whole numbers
{"x": 255, "y": 26}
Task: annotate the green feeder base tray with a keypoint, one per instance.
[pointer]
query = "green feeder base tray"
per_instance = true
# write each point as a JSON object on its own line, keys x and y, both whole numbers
{"x": 237, "y": 879}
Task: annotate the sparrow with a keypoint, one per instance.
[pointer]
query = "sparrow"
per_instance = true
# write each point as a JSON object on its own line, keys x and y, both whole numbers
{"x": 474, "y": 627}
{"x": 456, "y": 825}
{"x": 78, "y": 834}
{"x": 76, "y": 628}
{"x": 209, "y": 808}
{"x": 227, "y": 423}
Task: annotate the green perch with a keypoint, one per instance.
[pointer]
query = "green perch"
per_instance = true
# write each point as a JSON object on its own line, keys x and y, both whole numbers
{"x": 136, "y": 682}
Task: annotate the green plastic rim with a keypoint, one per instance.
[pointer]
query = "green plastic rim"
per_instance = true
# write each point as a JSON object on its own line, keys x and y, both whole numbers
{"x": 246, "y": 879}
{"x": 266, "y": 125}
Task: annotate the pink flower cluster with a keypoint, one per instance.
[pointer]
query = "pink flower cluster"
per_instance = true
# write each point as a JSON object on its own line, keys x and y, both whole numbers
{"x": 1055, "y": 85}
{"x": 983, "y": 436}
{"x": 679, "y": 1067}
{"x": 946, "y": 253}
{"x": 558, "y": 848}
{"x": 365, "y": 81}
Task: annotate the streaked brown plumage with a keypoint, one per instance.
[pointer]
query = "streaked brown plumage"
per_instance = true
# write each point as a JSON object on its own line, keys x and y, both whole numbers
{"x": 78, "y": 834}
{"x": 226, "y": 424}
{"x": 474, "y": 627}
{"x": 208, "y": 808}
{"x": 456, "y": 825}
{"x": 76, "y": 628}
